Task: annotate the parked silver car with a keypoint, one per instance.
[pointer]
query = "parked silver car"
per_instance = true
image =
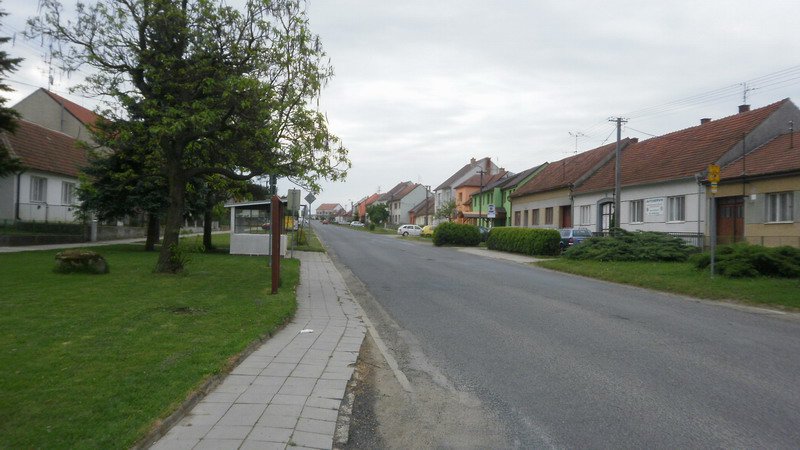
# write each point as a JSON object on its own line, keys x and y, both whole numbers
{"x": 409, "y": 230}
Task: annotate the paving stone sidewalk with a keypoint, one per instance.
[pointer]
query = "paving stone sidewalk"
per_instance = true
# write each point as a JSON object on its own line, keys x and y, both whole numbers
{"x": 288, "y": 392}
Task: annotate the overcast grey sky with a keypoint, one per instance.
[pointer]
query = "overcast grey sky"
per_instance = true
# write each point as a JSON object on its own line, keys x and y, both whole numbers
{"x": 422, "y": 86}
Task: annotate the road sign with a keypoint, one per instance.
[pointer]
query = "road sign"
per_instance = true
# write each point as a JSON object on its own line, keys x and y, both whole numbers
{"x": 713, "y": 173}
{"x": 490, "y": 213}
{"x": 310, "y": 198}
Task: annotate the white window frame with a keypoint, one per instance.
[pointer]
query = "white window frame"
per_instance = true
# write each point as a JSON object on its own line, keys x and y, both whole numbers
{"x": 38, "y": 189}
{"x": 779, "y": 207}
{"x": 68, "y": 193}
{"x": 676, "y": 208}
{"x": 586, "y": 214}
{"x": 637, "y": 211}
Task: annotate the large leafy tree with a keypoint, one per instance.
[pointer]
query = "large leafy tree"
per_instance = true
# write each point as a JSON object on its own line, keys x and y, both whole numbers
{"x": 377, "y": 213}
{"x": 8, "y": 117}
{"x": 203, "y": 89}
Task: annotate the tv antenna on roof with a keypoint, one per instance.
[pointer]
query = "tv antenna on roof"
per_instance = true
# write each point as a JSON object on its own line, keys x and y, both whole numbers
{"x": 576, "y": 135}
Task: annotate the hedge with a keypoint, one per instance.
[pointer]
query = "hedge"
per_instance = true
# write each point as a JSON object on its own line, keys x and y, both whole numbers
{"x": 745, "y": 260}
{"x": 622, "y": 245}
{"x": 450, "y": 233}
{"x": 529, "y": 241}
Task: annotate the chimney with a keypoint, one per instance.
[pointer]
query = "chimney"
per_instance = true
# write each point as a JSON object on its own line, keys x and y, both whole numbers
{"x": 489, "y": 165}
{"x": 705, "y": 120}
{"x": 472, "y": 161}
{"x": 744, "y": 108}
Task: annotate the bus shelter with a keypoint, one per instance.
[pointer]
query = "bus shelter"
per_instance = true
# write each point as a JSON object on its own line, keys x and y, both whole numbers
{"x": 250, "y": 228}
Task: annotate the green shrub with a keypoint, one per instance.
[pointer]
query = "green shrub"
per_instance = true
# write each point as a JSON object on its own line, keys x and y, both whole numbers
{"x": 623, "y": 245}
{"x": 529, "y": 241}
{"x": 51, "y": 227}
{"x": 745, "y": 260}
{"x": 371, "y": 227}
{"x": 450, "y": 233}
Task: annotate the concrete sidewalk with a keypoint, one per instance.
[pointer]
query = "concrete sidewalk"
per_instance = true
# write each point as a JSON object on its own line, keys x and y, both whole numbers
{"x": 496, "y": 254}
{"x": 288, "y": 392}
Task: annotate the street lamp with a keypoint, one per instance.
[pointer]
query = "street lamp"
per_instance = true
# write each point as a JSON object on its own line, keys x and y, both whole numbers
{"x": 427, "y": 206}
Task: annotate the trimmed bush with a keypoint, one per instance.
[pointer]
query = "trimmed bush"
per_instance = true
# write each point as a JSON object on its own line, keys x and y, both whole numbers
{"x": 622, "y": 245}
{"x": 450, "y": 233}
{"x": 528, "y": 241}
{"x": 51, "y": 227}
{"x": 745, "y": 260}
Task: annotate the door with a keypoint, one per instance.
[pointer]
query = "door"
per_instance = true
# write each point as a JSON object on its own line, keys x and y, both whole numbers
{"x": 730, "y": 220}
{"x": 566, "y": 216}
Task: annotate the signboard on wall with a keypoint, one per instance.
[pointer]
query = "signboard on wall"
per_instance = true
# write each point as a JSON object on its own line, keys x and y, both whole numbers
{"x": 654, "y": 206}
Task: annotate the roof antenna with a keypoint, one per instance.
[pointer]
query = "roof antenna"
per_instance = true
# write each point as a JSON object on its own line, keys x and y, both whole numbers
{"x": 576, "y": 135}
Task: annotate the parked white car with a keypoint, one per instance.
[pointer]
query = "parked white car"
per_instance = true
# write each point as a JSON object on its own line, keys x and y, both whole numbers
{"x": 409, "y": 230}
{"x": 356, "y": 223}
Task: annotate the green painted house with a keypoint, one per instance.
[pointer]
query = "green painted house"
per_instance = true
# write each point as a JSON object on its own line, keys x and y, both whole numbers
{"x": 511, "y": 185}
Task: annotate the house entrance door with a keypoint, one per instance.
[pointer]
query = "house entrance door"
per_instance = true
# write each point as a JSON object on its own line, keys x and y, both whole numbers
{"x": 606, "y": 216}
{"x": 566, "y": 216}
{"x": 730, "y": 220}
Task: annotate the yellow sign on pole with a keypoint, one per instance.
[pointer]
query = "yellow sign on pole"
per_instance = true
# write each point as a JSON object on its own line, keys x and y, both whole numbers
{"x": 713, "y": 174}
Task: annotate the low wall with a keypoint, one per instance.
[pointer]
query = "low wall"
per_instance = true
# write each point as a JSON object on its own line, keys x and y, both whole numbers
{"x": 108, "y": 233}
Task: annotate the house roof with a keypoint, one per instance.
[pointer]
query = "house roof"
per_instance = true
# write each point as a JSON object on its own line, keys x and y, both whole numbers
{"x": 780, "y": 155}
{"x": 84, "y": 115}
{"x": 516, "y": 179}
{"x": 328, "y": 206}
{"x": 487, "y": 179}
{"x": 42, "y": 149}
{"x": 448, "y": 183}
{"x": 371, "y": 199}
{"x": 399, "y": 191}
{"x": 568, "y": 171}
{"x": 680, "y": 154}
{"x": 427, "y": 205}
{"x": 498, "y": 182}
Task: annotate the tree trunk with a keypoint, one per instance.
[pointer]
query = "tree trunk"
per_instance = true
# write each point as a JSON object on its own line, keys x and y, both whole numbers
{"x": 153, "y": 231}
{"x": 207, "y": 225}
{"x": 169, "y": 260}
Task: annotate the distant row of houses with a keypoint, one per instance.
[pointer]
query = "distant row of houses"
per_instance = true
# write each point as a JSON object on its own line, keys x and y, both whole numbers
{"x": 663, "y": 181}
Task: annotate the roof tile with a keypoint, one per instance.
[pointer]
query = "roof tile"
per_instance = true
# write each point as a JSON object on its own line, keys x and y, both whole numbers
{"x": 49, "y": 151}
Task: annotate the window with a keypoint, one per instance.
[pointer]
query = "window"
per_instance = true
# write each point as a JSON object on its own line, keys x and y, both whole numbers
{"x": 516, "y": 218}
{"x": 67, "y": 193}
{"x": 586, "y": 214}
{"x": 676, "y": 207}
{"x": 535, "y": 215}
{"x": 779, "y": 207}
{"x": 38, "y": 190}
{"x": 637, "y": 211}
{"x": 548, "y": 216}
{"x": 525, "y": 218}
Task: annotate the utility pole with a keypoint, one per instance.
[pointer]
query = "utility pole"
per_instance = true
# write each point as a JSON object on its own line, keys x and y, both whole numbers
{"x": 617, "y": 169}
{"x": 427, "y": 205}
{"x": 480, "y": 192}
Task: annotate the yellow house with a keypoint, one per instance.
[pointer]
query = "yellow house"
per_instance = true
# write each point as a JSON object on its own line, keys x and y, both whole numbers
{"x": 758, "y": 199}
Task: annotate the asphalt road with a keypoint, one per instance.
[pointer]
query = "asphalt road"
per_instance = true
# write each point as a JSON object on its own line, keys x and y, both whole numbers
{"x": 566, "y": 361}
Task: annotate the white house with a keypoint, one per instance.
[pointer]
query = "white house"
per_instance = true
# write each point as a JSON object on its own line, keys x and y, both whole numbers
{"x": 46, "y": 189}
{"x": 445, "y": 192}
{"x": 662, "y": 178}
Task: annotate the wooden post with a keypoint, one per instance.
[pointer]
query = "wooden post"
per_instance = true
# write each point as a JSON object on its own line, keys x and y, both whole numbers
{"x": 276, "y": 209}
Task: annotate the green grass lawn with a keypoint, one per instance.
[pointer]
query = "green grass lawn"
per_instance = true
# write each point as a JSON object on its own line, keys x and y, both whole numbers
{"x": 94, "y": 360}
{"x": 683, "y": 278}
{"x": 313, "y": 244}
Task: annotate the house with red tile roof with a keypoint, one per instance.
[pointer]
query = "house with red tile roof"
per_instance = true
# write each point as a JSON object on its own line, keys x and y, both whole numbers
{"x": 545, "y": 201}
{"x": 662, "y": 177}
{"x": 55, "y": 112}
{"x": 400, "y": 199}
{"x": 467, "y": 205}
{"x": 45, "y": 190}
{"x": 328, "y": 210}
{"x": 445, "y": 192}
{"x": 422, "y": 213}
{"x": 363, "y": 204}
{"x": 758, "y": 199}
